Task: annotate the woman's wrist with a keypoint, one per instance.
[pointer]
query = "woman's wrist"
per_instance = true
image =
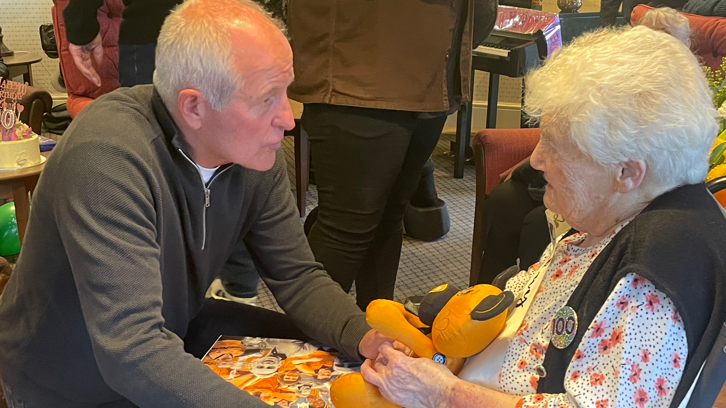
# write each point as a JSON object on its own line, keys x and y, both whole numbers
{"x": 445, "y": 393}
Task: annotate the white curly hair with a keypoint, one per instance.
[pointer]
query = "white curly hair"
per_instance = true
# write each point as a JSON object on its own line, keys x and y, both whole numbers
{"x": 630, "y": 94}
{"x": 669, "y": 21}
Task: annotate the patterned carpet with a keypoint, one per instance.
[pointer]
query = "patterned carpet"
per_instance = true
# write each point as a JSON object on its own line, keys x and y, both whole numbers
{"x": 423, "y": 265}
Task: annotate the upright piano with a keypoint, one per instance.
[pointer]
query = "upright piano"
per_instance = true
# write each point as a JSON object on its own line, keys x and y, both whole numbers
{"x": 502, "y": 53}
{"x": 507, "y": 53}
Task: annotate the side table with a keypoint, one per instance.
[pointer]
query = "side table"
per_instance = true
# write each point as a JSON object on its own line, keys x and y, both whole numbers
{"x": 22, "y": 182}
{"x": 19, "y": 64}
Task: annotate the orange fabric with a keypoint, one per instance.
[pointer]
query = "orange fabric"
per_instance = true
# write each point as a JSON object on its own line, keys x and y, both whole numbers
{"x": 708, "y": 35}
{"x": 76, "y": 103}
{"x": 393, "y": 320}
{"x": 366, "y": 395}
{"x": 721, "y": 197}
{"x": 455, "y": 333}
{"x": 81, "y": 91}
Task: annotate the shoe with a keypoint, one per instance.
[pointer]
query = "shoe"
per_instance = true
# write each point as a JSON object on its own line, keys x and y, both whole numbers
{"x": 216, "y": 291}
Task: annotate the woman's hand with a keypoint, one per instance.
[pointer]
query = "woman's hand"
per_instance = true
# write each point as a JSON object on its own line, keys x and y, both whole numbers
{"x": 406, "y": 381}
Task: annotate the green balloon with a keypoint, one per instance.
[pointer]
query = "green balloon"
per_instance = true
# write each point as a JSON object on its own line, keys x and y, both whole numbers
{"x": 9, "y": 240}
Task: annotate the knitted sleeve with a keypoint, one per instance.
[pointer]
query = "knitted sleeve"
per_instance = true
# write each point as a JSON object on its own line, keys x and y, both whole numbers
{"x": 303, "y": 289}
{"x": 80, "y": 20}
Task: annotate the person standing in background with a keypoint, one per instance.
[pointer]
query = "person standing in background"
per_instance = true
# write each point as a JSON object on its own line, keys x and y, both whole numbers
{"x": 140, "y": 25}
{"x": 377, "y": 79}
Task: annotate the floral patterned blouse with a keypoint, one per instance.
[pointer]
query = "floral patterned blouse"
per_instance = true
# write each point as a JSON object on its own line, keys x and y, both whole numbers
{"x": 633, "y": 354}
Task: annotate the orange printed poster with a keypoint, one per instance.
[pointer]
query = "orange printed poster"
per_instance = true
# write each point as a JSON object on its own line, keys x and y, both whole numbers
{"x": 289, "y": 373}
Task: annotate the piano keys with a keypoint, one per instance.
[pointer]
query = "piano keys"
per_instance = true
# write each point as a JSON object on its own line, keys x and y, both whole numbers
{"x": 509, "y": 53}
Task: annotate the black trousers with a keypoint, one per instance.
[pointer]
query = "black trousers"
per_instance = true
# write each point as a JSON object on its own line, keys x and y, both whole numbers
{"x": 367, "y": 165}
{"x": 221, "y": 317}
{"x": 136, "y": 63}
{"x": 515, "y": 227}
{"x": 239, "y": 275}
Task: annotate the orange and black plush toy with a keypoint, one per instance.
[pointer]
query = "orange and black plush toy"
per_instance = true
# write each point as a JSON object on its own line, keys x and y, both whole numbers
{"x": 460, "y": 324}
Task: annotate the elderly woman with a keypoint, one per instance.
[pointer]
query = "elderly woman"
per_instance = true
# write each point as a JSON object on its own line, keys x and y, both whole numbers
{"x": 623, "y": 312}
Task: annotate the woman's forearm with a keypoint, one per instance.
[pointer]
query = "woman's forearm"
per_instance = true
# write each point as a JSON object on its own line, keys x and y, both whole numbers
{"x": 461, "y": 394}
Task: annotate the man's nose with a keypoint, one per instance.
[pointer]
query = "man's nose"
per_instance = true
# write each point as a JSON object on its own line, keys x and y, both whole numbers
{"x": 285, "y": 118}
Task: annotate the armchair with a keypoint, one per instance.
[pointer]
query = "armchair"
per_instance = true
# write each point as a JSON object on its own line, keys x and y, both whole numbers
{"x": 36, "y": 103}
{"x": 496, "y": 153}
{"x": 81, "y": 91}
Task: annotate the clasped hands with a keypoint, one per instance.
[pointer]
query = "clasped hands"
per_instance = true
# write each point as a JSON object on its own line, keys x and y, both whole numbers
{"x": 406, "y": 381}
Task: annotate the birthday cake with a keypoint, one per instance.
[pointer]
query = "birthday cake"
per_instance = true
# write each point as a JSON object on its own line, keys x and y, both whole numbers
{"x": 19, "y": 147}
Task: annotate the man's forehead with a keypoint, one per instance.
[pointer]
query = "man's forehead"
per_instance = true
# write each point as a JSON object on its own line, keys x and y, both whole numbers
{"x": 256, "y": 50}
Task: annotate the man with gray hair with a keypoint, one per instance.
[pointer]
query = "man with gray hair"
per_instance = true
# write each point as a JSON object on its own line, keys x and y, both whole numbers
{"x": 141, "y": 203}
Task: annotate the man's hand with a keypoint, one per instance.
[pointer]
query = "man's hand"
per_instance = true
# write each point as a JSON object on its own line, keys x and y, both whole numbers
{"x": 84, "y": 55}
{"x": 371, "y": 342}
{"x": 409, "y": 382}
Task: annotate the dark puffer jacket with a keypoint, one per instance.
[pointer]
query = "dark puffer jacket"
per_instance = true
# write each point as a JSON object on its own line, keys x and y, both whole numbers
{"x": 706, "y": 7}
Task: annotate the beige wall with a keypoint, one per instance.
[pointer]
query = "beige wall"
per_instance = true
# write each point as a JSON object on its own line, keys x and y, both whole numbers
{"x": 20, "y": 20}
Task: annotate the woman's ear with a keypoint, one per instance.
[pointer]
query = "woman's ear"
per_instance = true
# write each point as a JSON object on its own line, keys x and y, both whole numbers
{"x": 631, "y": 175}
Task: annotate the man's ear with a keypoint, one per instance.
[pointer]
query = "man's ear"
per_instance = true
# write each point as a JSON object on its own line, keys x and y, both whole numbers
{"x": 631, "y": 175}
{"x": 192, "y": 107}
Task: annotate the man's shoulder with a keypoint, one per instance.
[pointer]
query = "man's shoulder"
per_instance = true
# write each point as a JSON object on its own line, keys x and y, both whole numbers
{"x": 118, "y": 129}
{"x": 119, "y": 110}
{"x": 124, "y": 116}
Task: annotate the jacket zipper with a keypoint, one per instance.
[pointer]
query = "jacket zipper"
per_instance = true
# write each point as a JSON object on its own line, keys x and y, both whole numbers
{"x": 207, "y": 193}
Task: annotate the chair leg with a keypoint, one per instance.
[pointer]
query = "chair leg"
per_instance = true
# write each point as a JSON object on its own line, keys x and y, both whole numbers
{"x": 2, "y": 399}
{"x": 302, "y": 166}
{"x": 22, "y": 207}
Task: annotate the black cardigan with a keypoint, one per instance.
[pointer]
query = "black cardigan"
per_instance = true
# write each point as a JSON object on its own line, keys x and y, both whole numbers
{"x": 678, "y": 243}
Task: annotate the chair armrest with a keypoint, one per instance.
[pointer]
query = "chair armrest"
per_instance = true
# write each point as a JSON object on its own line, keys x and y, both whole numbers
{"x": 36, "y": 103}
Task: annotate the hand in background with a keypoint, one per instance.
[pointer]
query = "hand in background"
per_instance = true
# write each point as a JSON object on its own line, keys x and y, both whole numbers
{"x": 85, "y": 55}
{"x": 406, "y": 381}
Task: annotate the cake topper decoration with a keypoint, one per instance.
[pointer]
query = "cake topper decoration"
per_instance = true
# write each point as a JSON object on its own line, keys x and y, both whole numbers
{"x": 11, "y": 93}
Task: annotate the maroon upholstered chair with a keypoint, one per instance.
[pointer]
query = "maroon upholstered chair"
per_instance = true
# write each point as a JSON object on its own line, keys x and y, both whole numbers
{"x": 496, "y": 153}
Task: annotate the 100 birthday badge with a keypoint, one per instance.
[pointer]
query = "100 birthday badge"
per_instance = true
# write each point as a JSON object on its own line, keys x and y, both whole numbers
{"x": 564, "y": 327}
